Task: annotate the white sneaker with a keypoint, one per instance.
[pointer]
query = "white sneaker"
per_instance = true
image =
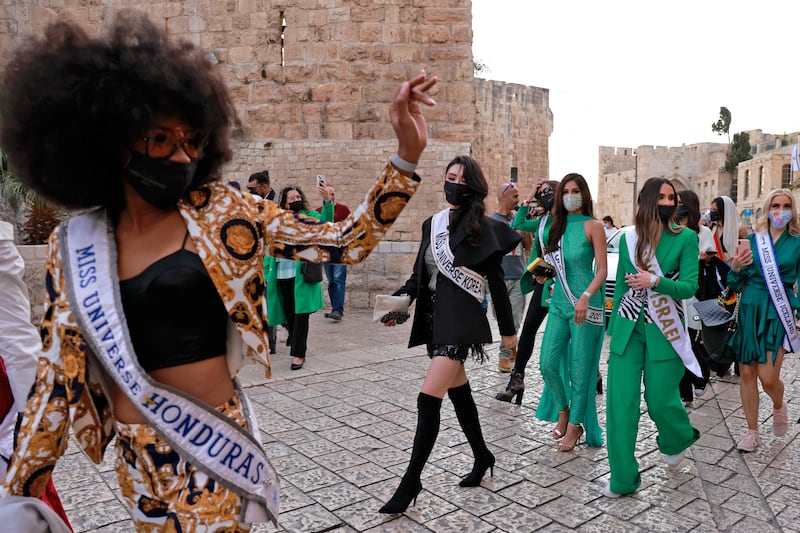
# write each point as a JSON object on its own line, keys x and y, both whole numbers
{"x": 675, "y": 460}
{"x": 699, "y": 392}
{"x": 608, "y": 493}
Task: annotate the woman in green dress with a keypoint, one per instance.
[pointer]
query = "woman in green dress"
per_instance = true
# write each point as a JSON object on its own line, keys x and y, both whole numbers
{"x": 572, "y": 240}
{"x": 762, "y": 338}
{"x": 658, "y": 266}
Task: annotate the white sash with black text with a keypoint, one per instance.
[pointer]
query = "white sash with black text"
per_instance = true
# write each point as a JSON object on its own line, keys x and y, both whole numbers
{"x": 777, "y": 290}
{"x": 466, "y": 279}
{"x": 208, "y": 439}
{"x": 664, "y": 312}
{"x": 594, "y": 315}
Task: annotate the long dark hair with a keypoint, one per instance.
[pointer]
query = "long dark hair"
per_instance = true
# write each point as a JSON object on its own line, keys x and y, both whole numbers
{"x": 473, "y": 211}
{"x": 692, "y": 204}
{"x": 559, "y": 212}
{"x": 648, "y": 223}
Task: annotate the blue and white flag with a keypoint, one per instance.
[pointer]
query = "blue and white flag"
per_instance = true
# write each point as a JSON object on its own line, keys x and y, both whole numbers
{"x": 796, "y": 158}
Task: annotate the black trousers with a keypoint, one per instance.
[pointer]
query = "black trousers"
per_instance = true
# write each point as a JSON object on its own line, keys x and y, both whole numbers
{"x": 533, "y": 319}
{"x": 296, "y": 323}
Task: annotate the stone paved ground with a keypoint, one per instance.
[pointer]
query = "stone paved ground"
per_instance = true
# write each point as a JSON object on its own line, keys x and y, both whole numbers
{"x": 339, "y": 433}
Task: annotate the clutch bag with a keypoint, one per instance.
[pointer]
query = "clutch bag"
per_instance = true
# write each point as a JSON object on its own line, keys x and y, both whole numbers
{"x": 540, "y": 267}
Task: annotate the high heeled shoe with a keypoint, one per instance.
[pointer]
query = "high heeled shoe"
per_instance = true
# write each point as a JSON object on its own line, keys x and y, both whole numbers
{"x": 403, "y": 496}
{"x": 559, "y": 433}
{"x": 515, "y": 387}
{"x": 567, "y": 446}
{"x": 475, "y": 477}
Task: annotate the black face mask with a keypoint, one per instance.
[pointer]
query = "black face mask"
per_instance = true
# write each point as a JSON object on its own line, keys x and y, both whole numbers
{"x": 160, "y": 182}
{"x": 681, "y": 212}
{"x": 665, "y": 212}
{"x": 456, "y": 193}
{"x": 546, "y": 201}
{"x": 296, "y": 206}
{"x": 715, "y": 216}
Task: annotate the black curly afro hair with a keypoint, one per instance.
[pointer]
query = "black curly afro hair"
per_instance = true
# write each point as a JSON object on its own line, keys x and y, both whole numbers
{"x": 71, "y": 105}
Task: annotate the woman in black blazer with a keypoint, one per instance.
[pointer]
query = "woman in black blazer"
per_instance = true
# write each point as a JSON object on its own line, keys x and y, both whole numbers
{"x": 460, "y": 253}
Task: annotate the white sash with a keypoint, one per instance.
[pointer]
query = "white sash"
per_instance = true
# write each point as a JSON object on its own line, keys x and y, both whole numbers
{"x": 664, "y": 312}
{"x": 594, "y": 315}
{"x": 777, "y": 291}
{"x": 208, "y": 439}
{"x": 463, "y": 277}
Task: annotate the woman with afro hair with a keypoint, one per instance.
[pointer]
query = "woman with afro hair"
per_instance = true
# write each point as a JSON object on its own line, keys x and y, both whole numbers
{"x": 155, "y": 287}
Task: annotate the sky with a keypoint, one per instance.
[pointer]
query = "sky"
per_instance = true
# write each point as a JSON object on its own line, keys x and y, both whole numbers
{"x": 629, "y": 73}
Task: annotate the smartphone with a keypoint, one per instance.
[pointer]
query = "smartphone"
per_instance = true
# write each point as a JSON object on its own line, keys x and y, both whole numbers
{"x": 742, "y": 244}
{"x": 320, "y": 180}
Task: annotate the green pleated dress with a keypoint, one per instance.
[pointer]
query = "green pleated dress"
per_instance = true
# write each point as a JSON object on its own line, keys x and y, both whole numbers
{"x": 760, "y": 330}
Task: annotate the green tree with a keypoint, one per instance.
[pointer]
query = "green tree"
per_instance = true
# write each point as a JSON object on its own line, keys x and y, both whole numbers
{"x": 740, "y": 151}
{"x": 723, "y": 125}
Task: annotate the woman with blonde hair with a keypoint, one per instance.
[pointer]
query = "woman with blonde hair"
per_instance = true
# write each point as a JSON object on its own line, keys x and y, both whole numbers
{"x": 764, "y": 272}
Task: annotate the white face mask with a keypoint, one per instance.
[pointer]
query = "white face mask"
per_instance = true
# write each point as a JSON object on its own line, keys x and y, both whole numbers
{"x": 573, "y": 202}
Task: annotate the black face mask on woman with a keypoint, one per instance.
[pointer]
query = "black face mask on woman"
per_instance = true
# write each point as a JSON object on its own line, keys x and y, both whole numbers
{"x": 160, "y": 182}
{"x": 296, "y": 206}
{"x": 665, "y": 212}
{"x": 681, "y": 212}
{"x": 546, "y": 201}
{"x": 715, "y": 216}
{"x": 456, "y": 193}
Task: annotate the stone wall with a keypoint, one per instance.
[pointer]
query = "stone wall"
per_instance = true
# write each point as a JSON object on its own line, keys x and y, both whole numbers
{"x": 623, "y": 171}
{"x": 312, "y": 80}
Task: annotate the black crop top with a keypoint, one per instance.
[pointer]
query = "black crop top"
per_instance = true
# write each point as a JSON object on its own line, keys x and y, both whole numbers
{"x": 175, "y": 314}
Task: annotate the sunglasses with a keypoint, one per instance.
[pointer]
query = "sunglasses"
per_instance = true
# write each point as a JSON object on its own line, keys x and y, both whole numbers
{"x": 509, "y": 186}
{"x": 162, "y": 142}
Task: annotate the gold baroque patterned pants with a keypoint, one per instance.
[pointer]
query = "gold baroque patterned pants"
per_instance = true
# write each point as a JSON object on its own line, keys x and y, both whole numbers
{"x": 166, "y": 493}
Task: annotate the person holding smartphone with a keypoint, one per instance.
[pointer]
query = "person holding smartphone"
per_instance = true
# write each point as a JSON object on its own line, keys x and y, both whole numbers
{"x": 764, "y": 271}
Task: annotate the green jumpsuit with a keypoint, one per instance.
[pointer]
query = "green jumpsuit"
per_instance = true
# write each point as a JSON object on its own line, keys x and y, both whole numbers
{"x": 639, "y": 351}
{"x": 570, "y": 353}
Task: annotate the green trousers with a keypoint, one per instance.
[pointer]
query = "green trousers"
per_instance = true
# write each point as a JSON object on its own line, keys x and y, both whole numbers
{"x": 623, "y": 397}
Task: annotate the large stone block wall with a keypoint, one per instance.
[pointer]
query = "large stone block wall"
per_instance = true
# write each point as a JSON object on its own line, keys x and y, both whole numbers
{"x": 312, "y": 81}
{"x": 623, "y": 171}
{"x": 513, "y": 124}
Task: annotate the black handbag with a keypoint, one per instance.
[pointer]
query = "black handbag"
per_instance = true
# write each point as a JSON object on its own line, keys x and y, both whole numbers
{"x": 715, "y": 338}
{"x": 312, "y": 272}
{"x": 711, "y": 280}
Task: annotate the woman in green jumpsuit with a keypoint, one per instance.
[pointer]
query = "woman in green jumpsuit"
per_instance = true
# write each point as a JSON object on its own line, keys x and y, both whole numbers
{"x": 760, "y": 341}
{"x": 645, "y": 329}
{"x": 571, "y": 345}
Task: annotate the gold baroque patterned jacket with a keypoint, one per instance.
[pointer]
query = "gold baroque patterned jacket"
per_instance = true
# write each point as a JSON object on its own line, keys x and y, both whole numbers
{"x": 232, "y": 231}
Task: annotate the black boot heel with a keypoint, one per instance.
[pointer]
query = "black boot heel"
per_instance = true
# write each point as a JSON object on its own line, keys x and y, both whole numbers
{"x": 519, "y": 396}
{"x": 475, "y": 477}
{"x": 515, "y": 387}
{"x": 403, "y": 496}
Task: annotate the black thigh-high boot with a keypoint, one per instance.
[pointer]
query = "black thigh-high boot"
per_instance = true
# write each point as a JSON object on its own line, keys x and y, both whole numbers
{"x": 467, "y": 414}
{"x": 428, "y": 417}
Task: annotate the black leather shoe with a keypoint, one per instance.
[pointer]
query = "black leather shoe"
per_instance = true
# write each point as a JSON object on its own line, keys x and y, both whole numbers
{"x": 298, "y": 366}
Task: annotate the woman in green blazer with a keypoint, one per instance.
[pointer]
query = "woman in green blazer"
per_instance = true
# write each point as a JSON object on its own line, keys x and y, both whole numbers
{"x": 290, "y": 299}
{"x": 648, "y": 336}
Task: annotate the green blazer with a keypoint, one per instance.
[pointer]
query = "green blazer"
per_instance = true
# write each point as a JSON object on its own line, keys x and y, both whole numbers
{"x": 675, "y": 251}
{"x": 307, "y": 296}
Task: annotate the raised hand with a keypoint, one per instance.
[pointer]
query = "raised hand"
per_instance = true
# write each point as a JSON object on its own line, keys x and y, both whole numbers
{"x": 407, "y": 119}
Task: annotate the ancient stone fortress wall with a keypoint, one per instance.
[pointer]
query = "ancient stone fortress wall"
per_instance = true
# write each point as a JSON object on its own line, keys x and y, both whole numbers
{"x": 312, "y": 80}
{"x": 623, "y": 171}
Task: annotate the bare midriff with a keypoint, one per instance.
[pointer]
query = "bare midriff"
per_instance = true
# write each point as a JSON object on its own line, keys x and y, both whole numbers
{"x": 209, "y": 381}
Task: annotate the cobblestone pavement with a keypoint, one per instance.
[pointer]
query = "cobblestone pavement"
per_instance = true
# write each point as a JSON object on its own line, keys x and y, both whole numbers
{"x": 339, "y": 433}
